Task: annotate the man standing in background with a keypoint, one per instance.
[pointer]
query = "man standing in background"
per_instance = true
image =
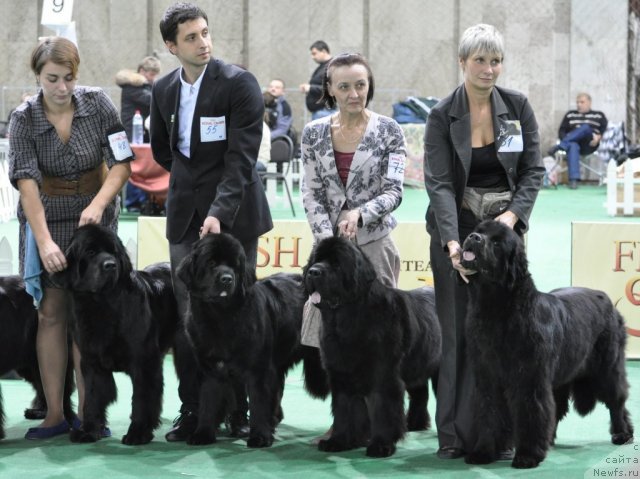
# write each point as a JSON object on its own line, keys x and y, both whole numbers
{"x": 321, "y": 55}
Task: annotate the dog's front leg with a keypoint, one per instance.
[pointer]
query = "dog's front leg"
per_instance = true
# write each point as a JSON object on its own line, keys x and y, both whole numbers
{"x": 350, "y": 417}
{"x": 534, "y": 419}
{"x": 263, "y": 397}
{"x": 213, "y": 391}
{"x": 146, "y": 403}
{"x": 100, "y": 391}
{"x": 491, "y": 415}
{"x": 386, "y": 409}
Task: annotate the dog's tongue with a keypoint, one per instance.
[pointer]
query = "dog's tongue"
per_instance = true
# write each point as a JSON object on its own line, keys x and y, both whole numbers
{"x": 468, "y": 256}
{"x": 315, "y": 297}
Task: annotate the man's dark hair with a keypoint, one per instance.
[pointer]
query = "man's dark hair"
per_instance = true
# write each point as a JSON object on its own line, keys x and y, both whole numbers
{"x": 320, "y": 46}
{"x": 176, "y": 14}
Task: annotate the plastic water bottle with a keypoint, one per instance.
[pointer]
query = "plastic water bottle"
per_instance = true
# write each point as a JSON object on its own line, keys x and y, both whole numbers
{"x": 137, "y": 135}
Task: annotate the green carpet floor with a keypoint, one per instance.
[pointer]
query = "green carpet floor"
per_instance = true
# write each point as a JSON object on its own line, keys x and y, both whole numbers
{"x": 583, "y": 448}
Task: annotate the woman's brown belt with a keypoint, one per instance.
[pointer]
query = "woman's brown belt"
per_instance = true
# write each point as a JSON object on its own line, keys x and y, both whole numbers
{"x": 87, "y": 183}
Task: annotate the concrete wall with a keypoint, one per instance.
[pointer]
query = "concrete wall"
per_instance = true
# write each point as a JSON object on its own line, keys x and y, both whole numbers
{"x": 554, "y": 48}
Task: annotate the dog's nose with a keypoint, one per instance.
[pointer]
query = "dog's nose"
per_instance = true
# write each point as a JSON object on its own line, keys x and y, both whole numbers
{"x": 475, "y": 237}
{"x": 314, "y": 272}
{"x": 226, "y": 279}
{"x": 108, "y": 265}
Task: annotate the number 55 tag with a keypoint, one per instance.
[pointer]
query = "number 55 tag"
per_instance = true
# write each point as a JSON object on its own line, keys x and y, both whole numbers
{"x": 212, "y": 128}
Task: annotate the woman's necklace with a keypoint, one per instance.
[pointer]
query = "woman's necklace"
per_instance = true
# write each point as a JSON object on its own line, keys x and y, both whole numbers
{"x": 359, "y": 131}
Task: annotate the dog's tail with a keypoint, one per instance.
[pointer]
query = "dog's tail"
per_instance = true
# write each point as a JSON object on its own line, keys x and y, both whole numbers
{"x": 316, "y": 381}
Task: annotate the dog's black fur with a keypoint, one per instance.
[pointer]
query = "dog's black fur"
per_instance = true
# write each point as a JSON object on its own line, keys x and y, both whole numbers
{"x": 532, "y": 351}
{"x": 122, "y": 320}
{"x": 19, "y": 327}
{"x": 376, "y": 341}
{"x": 244, "y": 328}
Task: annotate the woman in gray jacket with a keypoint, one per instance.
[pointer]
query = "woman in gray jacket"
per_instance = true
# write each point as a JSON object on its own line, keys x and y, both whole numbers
{"x": 482, "y": 160}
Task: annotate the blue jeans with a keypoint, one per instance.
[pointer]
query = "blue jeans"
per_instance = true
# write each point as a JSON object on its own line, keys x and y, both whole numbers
{"x": 572, "y": 144}
{"x": 322, "y": 113}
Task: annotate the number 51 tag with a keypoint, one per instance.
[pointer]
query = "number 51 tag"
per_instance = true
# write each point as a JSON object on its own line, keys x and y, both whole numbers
{"x": 212, "y": 128}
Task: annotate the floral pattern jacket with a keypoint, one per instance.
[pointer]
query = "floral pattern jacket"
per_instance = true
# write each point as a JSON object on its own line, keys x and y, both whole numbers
{"x": 374, "y": 184}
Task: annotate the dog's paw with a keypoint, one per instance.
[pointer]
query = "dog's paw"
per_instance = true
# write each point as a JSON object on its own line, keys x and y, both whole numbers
{"x": 260, "y": 441}
{"x": 525, "y": 461}
{"x": 478, "y": 457}
{"x": 418, "y": 423}
{"x": 78, "y": 435}
{"x": 201, "y": 437}
{"x": 333, "y": 445}
{"x": 376, "y": 449}
{"x": 138, "y": 438}
{"x": 622, "y": 438}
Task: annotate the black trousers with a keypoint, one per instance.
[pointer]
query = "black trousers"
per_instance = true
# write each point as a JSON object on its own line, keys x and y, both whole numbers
{"x": 189, "y": 376}
{"x": 456, "y": 384}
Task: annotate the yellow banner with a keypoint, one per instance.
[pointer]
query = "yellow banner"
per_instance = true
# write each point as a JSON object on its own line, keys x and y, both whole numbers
{"x": 288, "y": 245}
{"x": 606, "y": 256}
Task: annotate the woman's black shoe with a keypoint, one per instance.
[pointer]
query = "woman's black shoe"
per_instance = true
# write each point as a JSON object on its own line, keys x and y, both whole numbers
{"x": 449, "y": 452}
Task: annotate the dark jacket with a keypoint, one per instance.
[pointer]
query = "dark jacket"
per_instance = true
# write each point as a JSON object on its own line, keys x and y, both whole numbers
{"x": 219, "y": 179}
{"x": 315, "y": 89}
{"x": 136, "y": 95}
{"x": 448, "y": 158}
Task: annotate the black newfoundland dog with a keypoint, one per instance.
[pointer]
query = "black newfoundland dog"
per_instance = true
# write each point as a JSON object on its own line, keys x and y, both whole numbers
{"x": 19, "y": 326}
{"x": 533, "y": 351}
{"x": 122, "y": 320}
{"x": 375, "y": 342}
{"x": 244, "y": 329}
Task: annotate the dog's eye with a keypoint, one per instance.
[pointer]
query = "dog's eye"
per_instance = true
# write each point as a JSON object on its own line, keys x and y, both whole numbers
{"x": 90, "y": 253}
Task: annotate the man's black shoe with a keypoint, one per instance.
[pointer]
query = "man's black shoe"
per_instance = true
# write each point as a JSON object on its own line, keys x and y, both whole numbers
{"x": 449, "y": 452}
{"x": 506, "y": 454}
{"x": 237, "y": 424}
{"x": 183, "y": 427}
{"x": 573, "y": 184}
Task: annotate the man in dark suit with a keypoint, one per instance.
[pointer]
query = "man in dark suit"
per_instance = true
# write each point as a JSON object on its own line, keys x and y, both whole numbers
{"x": 206, "y": 127}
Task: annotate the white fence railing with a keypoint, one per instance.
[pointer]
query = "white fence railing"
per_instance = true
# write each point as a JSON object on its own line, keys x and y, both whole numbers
{"x": 9, "y": 196}
{"x": 629, "y": 186}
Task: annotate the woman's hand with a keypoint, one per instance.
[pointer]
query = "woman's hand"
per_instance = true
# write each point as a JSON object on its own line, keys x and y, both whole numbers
{"x": 52, "y": 257}
{"x": 455, "y": 253}
{"x": 348, "y": 226}
{"x": 92, "y": 214}
{"x": 508, "y": 218}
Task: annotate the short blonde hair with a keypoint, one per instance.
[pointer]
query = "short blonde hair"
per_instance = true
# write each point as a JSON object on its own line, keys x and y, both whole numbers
{"x": 150, "y": 64}
{"x": 481, "y": 38}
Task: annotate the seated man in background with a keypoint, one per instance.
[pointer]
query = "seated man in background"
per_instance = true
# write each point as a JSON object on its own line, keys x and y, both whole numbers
{"x": 281, "y": 110}
{"x": 579, "y": 133}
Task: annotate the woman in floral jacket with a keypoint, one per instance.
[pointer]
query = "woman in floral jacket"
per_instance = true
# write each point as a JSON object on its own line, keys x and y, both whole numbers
{"x": 354, "y": 167}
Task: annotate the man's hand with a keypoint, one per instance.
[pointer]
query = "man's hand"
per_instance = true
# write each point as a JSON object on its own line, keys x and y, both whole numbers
{"x": 595, "y": 140}
{"x": 211, "y": 225}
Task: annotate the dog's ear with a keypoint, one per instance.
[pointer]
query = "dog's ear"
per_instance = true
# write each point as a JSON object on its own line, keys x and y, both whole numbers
{"x": 363, "y": 271}
{"x": 185, "y": 271}
{"x": 517, "y": 265}
{"x": 122, "y": 256}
